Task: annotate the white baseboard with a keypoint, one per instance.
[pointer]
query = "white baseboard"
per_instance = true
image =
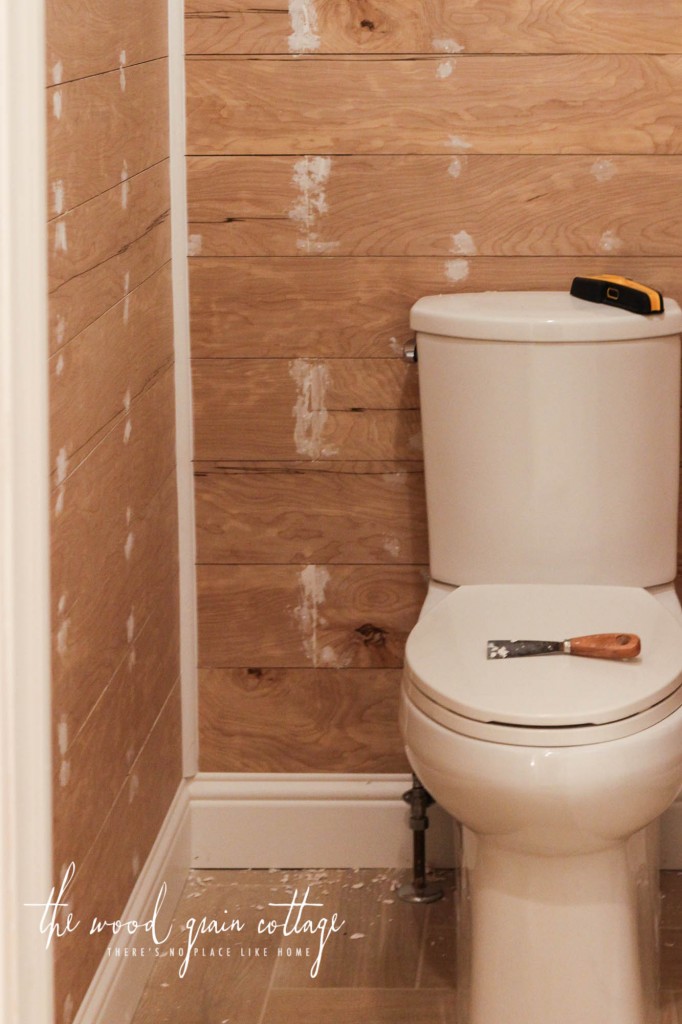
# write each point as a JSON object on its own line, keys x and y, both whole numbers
{"x": 119, "y": 982}
{"x": 333, "y": 821}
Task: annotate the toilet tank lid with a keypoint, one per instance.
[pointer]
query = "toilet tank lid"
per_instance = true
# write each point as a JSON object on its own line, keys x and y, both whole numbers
{"x": 537, "y": 316}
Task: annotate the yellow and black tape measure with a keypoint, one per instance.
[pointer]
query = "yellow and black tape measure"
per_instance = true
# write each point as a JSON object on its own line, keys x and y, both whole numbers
{"x": 618, "y": 291}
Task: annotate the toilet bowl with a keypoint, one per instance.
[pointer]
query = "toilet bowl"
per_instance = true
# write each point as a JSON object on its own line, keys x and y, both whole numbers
{"x": 551, "y": 447}
{"x": 556, "y": 769}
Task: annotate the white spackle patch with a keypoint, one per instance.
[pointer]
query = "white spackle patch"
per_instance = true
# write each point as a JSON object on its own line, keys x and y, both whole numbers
{"x": 61, "y": 242}
{"x": 603, "y": 170}
{"x": 194, "y": 245}
{"x": 314, "y": 247}
{"x": 392, "y": 546}
{"x": 464, "y": 244}
{"x": 63, "y": 638}
{"x": 309, "y": 412}
{"x": 129, "y": 545}
{"x": 304, "y": 36}
{"x": 357, "y": 935}
{"x": 446, "y": 46}
{"x": 445, "y": 69}
{"x": 457, "y": 270}
{"x": 126, "y": 297}
{"x": 59, "y": 503}
{"x": 61, "y": 465}
{"x": 610, "y": 242}
{"x": 61, "y": 607}
{"x": 313, "y": 581}
{"x": 396, "y": 347}
{"x": 130, "y": 626}
{"x": 63, "y": 734}
{"x": 127, "y": 399}
{"x": 57, "y": 103}
{"x": 57, "y": 73}
{"x": 457, "y": 142}
{"x": 132, "y": 659}
{"x": 456, "y": 166}
{"x": 127, "y": 431}
{"x": 125, "y": 187}
{"x": 310, "y": 177}
{"x": 64, "y": 773}
{"x": 60, "y": 330}
{"x": 133, "y": 788}
{"x": 59, "y": 365}
{"x": 58, "y": 196}
{"x": 122, "y": 70}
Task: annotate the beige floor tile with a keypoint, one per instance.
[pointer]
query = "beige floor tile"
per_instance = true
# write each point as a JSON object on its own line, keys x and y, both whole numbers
{"x": 359, "y": 1006}
{"x": 380, "y": 942}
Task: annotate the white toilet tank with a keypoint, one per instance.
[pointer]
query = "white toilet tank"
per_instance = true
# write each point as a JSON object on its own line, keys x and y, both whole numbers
{"x": 551, "y": 439}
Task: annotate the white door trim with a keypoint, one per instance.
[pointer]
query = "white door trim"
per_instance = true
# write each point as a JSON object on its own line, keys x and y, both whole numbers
{"x": 25, "y": 769}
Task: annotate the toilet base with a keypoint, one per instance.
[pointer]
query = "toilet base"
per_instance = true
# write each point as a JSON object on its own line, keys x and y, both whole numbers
{"x": 558, "y": 938}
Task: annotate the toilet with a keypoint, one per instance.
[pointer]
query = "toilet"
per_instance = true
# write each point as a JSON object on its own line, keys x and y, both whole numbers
{"x": 551, "y": 451}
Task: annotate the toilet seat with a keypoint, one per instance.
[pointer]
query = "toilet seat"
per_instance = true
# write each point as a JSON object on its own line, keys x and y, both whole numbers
{"x": 555, "y": 700}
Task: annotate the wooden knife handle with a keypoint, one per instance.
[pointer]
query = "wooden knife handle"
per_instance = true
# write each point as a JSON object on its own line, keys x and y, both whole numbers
{"x": 616, "y": 646}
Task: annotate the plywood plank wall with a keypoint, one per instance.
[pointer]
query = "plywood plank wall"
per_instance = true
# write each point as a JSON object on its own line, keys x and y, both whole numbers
{"x": 344, "y": 159}
{"x": 114, "y": 522}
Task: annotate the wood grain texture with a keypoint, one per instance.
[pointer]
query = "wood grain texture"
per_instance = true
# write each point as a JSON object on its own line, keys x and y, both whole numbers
{"x": 410, "y": 26}
{"x": 561, "y": 104}
{"x": 95, "y": 764}
{"x": 114, "y": 548}
{"x": 311, "y": 512}
{"x": 95, "y": 36}
{"x": 109, "y": 364}
{"x": 78, "y": 302}
{"x": 288, "y": 616}
{"x": 335, "y": 409}
{"x": 103, "y": 130}
{"x": 359, "y": 307}
{"x": 303, "y": 720}
{"x": 104, "y": 229}
{"x": 106, "y": 877}
{"x": 436, "y": 205}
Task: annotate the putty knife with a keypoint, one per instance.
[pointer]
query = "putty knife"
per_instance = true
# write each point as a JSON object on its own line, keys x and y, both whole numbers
{"x": 616, "y": 646}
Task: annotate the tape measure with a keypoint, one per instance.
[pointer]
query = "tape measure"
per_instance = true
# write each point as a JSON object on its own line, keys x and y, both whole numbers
{"x": 612, "y": 290}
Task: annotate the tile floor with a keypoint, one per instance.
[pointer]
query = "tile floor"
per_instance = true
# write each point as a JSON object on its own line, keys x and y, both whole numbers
{"x": 388, "y": 962}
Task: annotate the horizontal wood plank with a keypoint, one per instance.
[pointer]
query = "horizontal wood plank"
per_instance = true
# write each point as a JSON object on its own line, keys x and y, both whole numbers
{"x": 81, "y": 300}
{"x": 410, "y": 26}
{"x": 103, "y": 229}
{"x": 430, "y": 206}
{"x": 340, "y": 409}
{"x": 560, "y": 104}
{"x": 114, "y": 548}
{"x": 91, "y": 767}
{"x": 127, "y": 32}
{"x": 103, "y": 130}
{"x": 109, "y": 364}
{"x": 302, "y": 720}
{"x": 105, "y": 879}
{"x": 357, "y": 513}
{"x": 319, "y": 307}
{"x": 287, "y": 616}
